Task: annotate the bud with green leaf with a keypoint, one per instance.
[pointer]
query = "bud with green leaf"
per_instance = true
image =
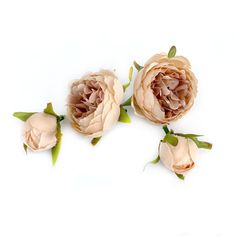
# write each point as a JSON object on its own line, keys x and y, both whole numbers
{"x": 42, "y": 130}
{"x": 177, "y": 151}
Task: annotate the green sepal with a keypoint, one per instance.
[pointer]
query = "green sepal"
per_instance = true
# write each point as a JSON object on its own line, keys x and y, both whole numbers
{"x": 200, "y": 144}
{"x": 171, "y": 139}
{"x": 137, "y": 66}
{"x": 94, "y": 141}
{"x": 56, "y": 149}
{"x": 49, "y": 110}
{"x": 124, "y": 117}
{"x": 23, "y": 115}
{"x": 155, "y": 161}
{"x": 172, "y": 52}
{"x": 180, "y": 176}
{"x": 25, "y": 148}
{"x": 127, "y": 102}
{"x": 125, "y": 86}
{"x": 189, "y": 135}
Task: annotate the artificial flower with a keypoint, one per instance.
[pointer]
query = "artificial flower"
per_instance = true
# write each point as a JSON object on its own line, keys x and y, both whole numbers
{"x": 178, "y": 151}
{"x": 94, "y": 103}
{"x": 165, "y": 88}
{"x": 42, "y": 130}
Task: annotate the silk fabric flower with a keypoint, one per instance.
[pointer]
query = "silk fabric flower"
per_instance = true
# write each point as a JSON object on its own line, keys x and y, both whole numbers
{"x": 164, "y": 89}
{"x": 40, "y": 132}
{"x": 94, "y": 103}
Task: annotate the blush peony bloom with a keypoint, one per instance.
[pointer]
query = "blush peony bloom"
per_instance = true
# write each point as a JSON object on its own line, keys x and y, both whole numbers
{"x": 164, "y": 89}
{"x": 94, "y": 103}
{"x": 40, "y": 132}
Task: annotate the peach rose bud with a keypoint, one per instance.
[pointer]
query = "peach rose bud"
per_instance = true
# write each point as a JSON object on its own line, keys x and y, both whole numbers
{"x": 177, "y": 151}
{"x": 179, "y": 158}
{"x": 40, "y": 132}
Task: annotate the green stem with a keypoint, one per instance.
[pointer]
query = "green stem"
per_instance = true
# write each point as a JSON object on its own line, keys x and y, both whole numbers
{"x": 166, "y": 130}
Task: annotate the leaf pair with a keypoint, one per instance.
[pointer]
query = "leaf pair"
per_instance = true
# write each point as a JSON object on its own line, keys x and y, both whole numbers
{"x": 124, "y": 117}
{"x": 171, "y": 54}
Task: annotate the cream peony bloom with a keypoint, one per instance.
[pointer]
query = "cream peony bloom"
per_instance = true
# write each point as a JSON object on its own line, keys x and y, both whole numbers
{"x": 164, "y": 89}
{"x": 94, "y": 103}
{"x": 179, "y": 158}
{"x": 40, "y": 132}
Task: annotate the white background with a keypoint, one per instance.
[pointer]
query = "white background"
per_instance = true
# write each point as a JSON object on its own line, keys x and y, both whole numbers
{"x": 102, "y": 190}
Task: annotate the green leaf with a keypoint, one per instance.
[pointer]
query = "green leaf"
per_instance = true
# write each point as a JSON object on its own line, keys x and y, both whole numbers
{"x": 125, "y": 86}
{"x": 137, "y": 66}
{"x": 155, "y": 161}
{"x": 189, "y": 135}
{"x": 165, "y": 128}
{"x": 95, "y": 140}
{"x": 23, "y": 115}
{"x": 55, "y": 152}
{"x": 200, "y": 144}
{"x": 180, "y": 176}
{"x": 124, "y": 117}
{"x": 25, "y": 147}
{"x": 127, "y": 102}
{"x": 172, "y": 52}
{"x": 169, "y": 138}
{"x": 56, "y": 148}
{"x": 49, "y": 110}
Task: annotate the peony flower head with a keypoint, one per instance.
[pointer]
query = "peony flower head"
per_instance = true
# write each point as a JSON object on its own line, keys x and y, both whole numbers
{"x": 165, "y": 88}
{"x": 179, "y": 158}
{"x": 94, "y": 102}
{"x": 40, "y": 132}
{"x": 177, "y": 151}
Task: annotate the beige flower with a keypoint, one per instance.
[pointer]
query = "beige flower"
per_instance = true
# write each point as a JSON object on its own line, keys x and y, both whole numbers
{"x": 94, "y": 102}
{"x": 164, "y": 89}
{"x": 178, "y": 158}
{"x": 40, "y": 132}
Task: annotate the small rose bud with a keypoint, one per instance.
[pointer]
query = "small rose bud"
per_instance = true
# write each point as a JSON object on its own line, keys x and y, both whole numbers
{"x": 40, "y": 132}
{"x": 179, "y": 158}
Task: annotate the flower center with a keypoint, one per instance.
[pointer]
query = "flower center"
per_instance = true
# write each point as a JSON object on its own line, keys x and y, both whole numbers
{"x": 85, "y": 97}
{"x": 172, "y": 91}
